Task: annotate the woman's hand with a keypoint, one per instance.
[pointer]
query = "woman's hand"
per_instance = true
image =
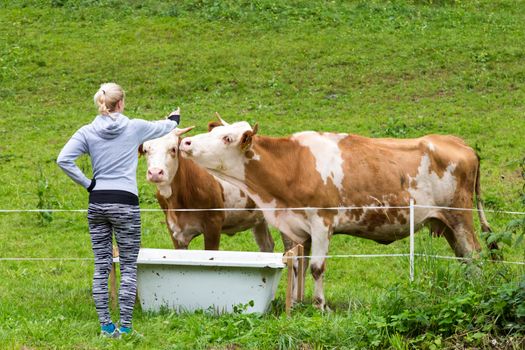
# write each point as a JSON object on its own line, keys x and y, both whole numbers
{"x": 175, "y": 115}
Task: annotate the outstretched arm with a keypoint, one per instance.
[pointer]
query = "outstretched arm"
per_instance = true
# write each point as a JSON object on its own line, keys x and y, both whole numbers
{"x": 153, "y": 130}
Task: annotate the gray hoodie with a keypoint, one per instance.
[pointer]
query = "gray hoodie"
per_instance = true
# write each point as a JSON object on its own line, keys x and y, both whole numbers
{"x": 112, "y": 144}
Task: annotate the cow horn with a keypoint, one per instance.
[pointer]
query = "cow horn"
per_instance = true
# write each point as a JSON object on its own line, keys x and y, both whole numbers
{"x": 255, "y": 128}
{"x": 179, "y": 132}
{"x": 221, "y": 120}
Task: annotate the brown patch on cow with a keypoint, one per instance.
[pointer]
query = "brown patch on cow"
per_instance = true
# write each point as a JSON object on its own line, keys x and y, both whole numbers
{"x": 328, "y": 217}
{"x": 448, "y": 149}
{"x": 250, "y": 204}
{"x": 288, "y": 187}
{"x": 354, "y": 214}
{"x": 269, "y": 180}
{"x": 375, "y": 167}
{"x": 375, "y": 218}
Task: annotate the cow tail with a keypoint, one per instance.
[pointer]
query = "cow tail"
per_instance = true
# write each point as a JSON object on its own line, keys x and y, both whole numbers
{"x": 485, "y": 227}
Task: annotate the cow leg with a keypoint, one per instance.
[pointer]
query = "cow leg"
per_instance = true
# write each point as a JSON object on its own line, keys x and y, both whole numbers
{"x": 262, "y": 236}
{"x": 460, "y": 234}
{"x": 182, "y": 241}
{"x": 320, "y": 242}
{"x": 212, "y": 239}
{"x": 212, "y": 232}
{"x": 173, "y": 240}
{"x": 176, "y": 233}
{"x": 307, "y": 249}
{"x": 287, "y": 242}
{"x": 172, "y": 234}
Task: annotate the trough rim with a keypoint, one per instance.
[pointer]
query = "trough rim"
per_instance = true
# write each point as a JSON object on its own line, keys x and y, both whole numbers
{"x": 272, "y": 260}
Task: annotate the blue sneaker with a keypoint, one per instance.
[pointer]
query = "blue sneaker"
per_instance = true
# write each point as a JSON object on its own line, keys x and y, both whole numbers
{"x": 128, "y": 333}
{"x": 124, "y": 330}
{"x": 109, "y": 330}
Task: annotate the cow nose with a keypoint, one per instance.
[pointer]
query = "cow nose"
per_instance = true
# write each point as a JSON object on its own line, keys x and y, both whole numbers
{"x": 155, "y": 171}
{"x": 187, "y": 142}
{"x": 155, "y": 175}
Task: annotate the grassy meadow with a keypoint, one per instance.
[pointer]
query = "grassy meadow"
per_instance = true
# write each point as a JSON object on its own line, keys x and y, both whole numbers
{"x": 375, "y": 68}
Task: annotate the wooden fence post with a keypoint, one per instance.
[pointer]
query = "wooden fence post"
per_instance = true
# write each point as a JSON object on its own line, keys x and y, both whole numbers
{"x": 113, "y": 279}
{"x": 300, "y": 272}
{"x": 289, "y": 259}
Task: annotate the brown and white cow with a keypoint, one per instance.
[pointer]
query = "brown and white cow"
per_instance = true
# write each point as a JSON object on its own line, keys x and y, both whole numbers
{"x": 321, "y": 170}
{"x": 182, "y": 184}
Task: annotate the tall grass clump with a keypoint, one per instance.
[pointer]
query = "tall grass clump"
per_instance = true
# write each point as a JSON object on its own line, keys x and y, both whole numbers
{"x": 476, "y": 304}
{"x": 512, "y": 235}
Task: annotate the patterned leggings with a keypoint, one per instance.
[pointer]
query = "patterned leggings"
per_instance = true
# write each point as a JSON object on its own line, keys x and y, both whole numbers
{"x": 124, "y": 221}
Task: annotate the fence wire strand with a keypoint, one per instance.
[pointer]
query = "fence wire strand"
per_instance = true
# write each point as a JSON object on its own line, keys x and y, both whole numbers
{"x": 380, "y": 207}
{"x": 412, "y": 254}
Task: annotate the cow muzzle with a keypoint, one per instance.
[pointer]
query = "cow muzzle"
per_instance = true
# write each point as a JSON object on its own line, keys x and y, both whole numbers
{"x": 156, "y": 175}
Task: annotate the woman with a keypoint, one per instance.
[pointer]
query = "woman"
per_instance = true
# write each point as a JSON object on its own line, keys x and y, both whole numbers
{"x": 111, "y": 141}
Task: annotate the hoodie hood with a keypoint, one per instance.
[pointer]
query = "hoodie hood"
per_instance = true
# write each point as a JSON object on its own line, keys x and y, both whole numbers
{"x": 110, "y": 127}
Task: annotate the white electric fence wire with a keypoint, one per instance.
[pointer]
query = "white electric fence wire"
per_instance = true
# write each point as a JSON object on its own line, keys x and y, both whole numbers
{"x": 470, "y": 209}
{"x": 205, "y": 209}
{"x": 267, "y": 209}
{"x": 411, "y": 207}
{"x": 412, "y": 239}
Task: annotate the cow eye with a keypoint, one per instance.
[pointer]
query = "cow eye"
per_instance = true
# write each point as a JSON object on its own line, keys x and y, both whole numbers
{"x": 227, "y": 139}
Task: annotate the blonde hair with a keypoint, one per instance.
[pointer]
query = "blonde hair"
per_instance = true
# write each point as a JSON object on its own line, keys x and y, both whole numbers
{"x": 107, "y": 97}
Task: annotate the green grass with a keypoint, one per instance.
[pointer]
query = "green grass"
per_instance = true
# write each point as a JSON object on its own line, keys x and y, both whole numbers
{"x": 392, "y": 68}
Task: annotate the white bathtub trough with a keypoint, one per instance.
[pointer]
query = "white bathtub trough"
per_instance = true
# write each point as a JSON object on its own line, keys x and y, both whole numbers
{"x": 189, "y": 280}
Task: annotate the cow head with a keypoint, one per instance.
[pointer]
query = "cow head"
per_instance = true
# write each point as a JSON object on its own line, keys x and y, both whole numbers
{"x": 223, "y": 149}
{"x": 163, "y": 160}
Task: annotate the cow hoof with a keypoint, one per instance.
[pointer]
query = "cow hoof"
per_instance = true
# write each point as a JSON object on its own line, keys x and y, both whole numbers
{"x": 321, "y": 305}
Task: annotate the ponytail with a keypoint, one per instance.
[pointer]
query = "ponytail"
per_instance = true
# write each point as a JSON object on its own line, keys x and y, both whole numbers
{"x": 107, "y": 97}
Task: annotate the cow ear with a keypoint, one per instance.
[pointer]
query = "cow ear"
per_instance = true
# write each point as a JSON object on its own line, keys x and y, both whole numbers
{"x": 212, "y": 125}
{"x": 246, "y": 140}
{"x": 141, "y": 150}
{"x": 179, "y": 132}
